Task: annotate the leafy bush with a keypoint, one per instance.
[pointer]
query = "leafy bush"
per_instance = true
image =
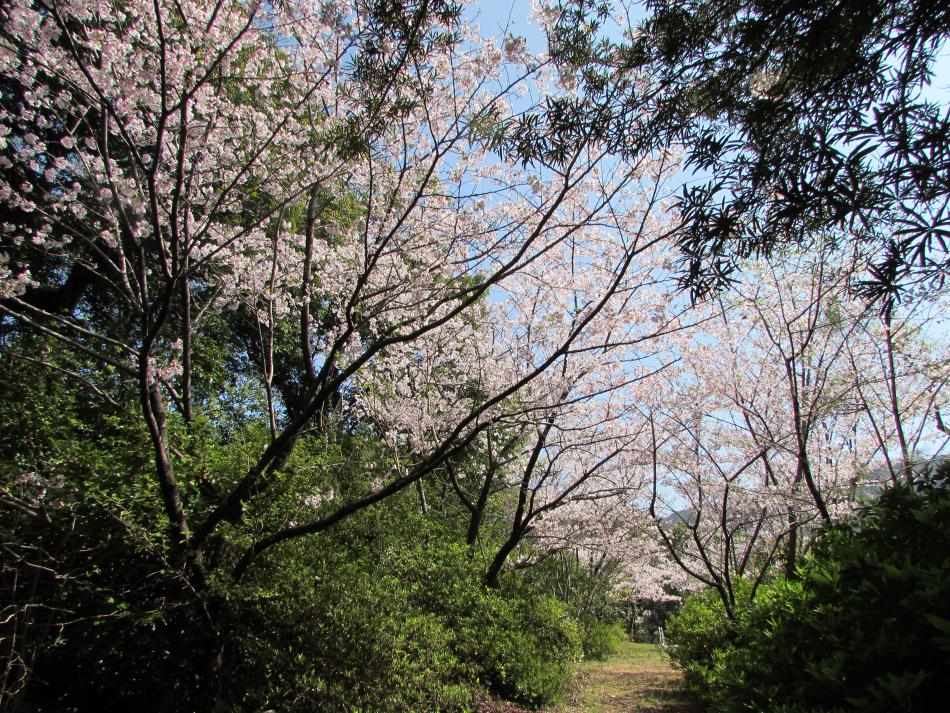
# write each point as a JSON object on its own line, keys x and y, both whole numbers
{"x": 866, "y": 627}
{"x": 529, "y": 646}
{"x": 385, "y": 612}
{"x": 371, "y": 617}
{"x": 586, "y": 588}
{"x": 699, "y": 631}
{"x": 389, "y": 613}
{"x": 349, "y": 643}
{"x": 602, "y": 640}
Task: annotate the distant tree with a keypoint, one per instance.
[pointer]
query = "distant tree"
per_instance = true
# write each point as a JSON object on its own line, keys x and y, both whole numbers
{"x": 778, "y": 407}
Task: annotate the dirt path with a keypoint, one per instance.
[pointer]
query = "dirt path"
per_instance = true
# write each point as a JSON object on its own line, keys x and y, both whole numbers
{"x": 638, "y": 679}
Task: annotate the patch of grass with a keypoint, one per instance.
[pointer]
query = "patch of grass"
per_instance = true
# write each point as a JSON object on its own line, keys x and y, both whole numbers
{"x": 638, "y": 678}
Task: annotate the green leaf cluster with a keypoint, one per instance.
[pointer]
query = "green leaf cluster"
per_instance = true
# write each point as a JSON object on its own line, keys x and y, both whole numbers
{"x": 864, "y": 626}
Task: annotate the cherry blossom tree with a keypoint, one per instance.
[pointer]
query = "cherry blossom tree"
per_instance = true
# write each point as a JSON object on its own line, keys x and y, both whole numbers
{"x": 555, "y": 436}
{"x": 324, "y": 171}
{"x": 899, "y": 367}
{"x": 770, "y": 419}
{"x": 571, "y": 435}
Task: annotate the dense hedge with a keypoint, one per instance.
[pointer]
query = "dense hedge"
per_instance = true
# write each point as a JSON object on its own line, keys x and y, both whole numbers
{"x": 865, "y": 626}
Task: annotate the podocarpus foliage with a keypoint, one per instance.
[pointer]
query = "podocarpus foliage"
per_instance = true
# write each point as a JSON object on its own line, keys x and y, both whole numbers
{"x": 863, "y": 626}
{"x": 801, "y": 119}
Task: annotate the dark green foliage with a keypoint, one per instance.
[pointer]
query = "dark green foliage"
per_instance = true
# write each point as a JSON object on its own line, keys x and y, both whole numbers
{"x": 529, "y": 649}
{"x": 799, "y": 119}
{"x": 587, "y": 588}
{"x": 386, "y": 612}
{"x": 396, "y": 621}
{"x": 342, "y": 631}
{"x": 701, "y": 634}
{"x": 864, "y": 628}
{"x": 84, "y": 580}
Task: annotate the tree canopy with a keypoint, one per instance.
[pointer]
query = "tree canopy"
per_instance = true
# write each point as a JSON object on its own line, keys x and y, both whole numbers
{"x": 798, "y": 119}
{"x": 347, "y": 360}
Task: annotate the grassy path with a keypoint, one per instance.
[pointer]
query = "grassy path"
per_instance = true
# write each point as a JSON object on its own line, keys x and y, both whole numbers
{"x": 638, "y": 679}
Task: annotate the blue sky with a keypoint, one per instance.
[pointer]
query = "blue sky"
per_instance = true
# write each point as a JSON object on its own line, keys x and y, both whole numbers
{"x": 500, "y": 17}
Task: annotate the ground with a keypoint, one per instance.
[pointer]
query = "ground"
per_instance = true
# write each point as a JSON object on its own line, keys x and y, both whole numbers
{"x": 638, "y": 679}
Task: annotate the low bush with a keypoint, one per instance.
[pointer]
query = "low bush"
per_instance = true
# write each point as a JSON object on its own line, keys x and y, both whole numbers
{"x": 528, "y": 649}
{"x": 602, "y": 640}
{"x": 865, "y": 627}
{"x": 356, "y": 620}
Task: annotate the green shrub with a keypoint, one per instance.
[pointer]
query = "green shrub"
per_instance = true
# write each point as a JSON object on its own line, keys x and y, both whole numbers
{"x": 698, "y": 632}
{"x": 374, "y": 618}
{"x": 528, "y": 648}
{"x": 387, "y": 611}
{"x": 349, "y": 644}
{"x": 602, "y": 640}
{"x": 866, "y": 627}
